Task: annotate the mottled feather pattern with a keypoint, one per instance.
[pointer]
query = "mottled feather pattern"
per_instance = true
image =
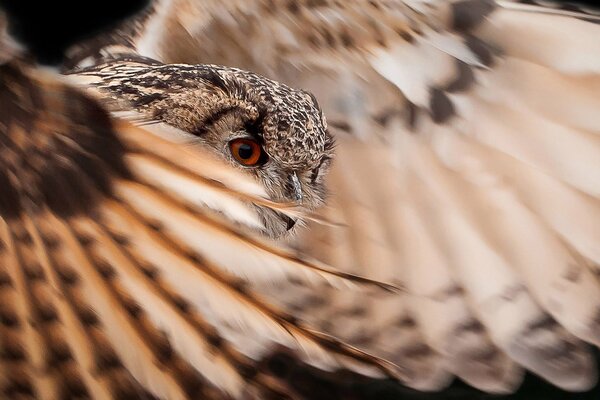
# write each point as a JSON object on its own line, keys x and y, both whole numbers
{"x": 85, "y": 311}
{"x": 449, "y": 88}
{"x": 466, "y": 174}
{"x": 215, "y": 105}
{"x": 287, "y": 118}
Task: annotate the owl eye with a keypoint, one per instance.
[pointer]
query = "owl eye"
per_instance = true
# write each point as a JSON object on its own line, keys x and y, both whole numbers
{"x": 247, "y": 152}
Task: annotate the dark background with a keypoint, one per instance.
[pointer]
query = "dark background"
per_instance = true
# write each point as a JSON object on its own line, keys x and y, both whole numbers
{"x": 48, "y": 27}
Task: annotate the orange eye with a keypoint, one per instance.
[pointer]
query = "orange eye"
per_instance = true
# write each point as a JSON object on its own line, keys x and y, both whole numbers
{"x": 247, "y": 152}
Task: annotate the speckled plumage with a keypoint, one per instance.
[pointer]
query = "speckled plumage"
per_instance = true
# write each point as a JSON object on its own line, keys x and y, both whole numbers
{"x": 127, "y": 260}
{"x": 466, "y": 173}
{"x": 217, "y": 104}
{"x": 289, "y": 121}
{"x": 464, "y": 128}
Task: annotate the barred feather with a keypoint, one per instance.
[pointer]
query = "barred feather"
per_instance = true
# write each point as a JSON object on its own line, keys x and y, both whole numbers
{"x": 479, "y": 118}
{"x": 118, "y": 283}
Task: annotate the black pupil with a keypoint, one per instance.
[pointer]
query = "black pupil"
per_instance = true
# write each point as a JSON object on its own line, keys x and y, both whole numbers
{"x": 245, "y": 151}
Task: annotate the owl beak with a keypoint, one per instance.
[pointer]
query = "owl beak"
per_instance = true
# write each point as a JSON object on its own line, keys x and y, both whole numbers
{"x": 297, "y": 187}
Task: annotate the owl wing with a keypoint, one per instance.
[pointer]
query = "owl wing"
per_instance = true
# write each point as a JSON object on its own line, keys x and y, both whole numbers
{"x": 468, "y": 171}
{"x": 127, "y": 260}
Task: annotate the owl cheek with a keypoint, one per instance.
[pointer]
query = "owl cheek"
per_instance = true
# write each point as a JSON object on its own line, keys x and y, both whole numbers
{"x": 276, "y": 225}
{"x": 318, "y": 194}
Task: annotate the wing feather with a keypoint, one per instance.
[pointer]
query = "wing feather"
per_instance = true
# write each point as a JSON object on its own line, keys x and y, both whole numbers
{"x": 116, "y": 282}
{"x": 479, "y": 119}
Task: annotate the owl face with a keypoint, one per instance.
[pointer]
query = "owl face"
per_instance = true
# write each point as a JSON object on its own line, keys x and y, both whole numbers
{"x": 271, "y": 131}
{"x": 241, "y": 136}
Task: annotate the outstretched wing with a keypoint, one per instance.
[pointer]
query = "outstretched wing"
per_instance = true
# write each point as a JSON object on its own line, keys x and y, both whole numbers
{"x": 468, "y": 171}
{"x": 126, "y": 261}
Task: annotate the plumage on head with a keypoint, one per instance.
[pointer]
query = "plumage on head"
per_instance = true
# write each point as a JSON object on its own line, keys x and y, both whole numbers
{"x": 218, "y": 105}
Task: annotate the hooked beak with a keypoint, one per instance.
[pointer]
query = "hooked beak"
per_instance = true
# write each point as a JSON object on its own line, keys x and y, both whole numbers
{"x": 297, "y": 187}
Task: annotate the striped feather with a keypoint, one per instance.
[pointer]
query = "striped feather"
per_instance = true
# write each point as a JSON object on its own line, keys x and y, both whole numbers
{"x": 479, "y": 120}
{"x": 117, "y": 283}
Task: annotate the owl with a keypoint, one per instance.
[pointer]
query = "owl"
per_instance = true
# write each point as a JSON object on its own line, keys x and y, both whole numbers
{"x": 130, "y": 257}
{"x": 267, "y": 129}
{"x": 205, "y": 241}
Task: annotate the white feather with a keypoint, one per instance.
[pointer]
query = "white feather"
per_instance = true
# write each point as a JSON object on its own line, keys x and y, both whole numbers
{"x": 566, "y": 44}
{"x": 201, "y": 194}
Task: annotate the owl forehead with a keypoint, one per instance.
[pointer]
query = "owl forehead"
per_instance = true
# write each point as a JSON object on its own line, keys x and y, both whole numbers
{"x": 291, "y": 123}
{"x": 293, "y": 128}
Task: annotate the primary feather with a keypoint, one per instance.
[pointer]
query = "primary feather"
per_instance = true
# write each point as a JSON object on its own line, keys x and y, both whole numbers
{"x": 115, "y": 283}
{"x": 479, "y": 120}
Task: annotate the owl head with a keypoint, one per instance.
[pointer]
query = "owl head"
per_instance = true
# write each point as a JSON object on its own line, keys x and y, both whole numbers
{"x": 271, "y": 131}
